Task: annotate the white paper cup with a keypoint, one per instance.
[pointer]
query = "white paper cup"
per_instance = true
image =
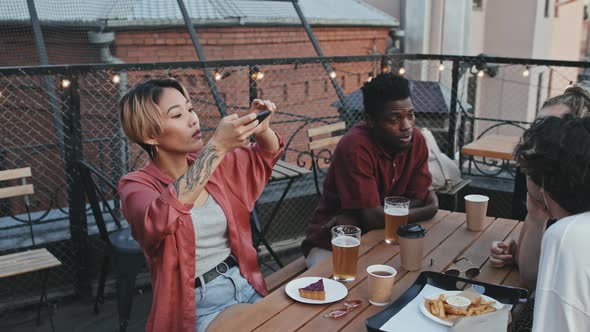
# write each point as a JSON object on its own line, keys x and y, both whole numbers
{"x": 476, "y": 207}
{"x": 381, "y": 280}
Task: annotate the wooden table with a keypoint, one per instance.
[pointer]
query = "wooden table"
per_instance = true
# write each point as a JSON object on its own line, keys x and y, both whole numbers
{"x": 492, "y": 146}
{"x": 447, "y": 240}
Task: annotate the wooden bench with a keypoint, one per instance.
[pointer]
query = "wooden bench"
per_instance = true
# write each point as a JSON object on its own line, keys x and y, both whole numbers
{"x": 30, "y": 261}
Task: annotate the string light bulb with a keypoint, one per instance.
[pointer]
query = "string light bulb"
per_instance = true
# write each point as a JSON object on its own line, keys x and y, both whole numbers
{"x": 257, "y": 75}
{"x": 218, "y": 76}
{"x": 332, "y": 74}
{"x": 65, "y": 83}
{"x": 401, "y": 71}
{"x": 570, "y": 85}
{"x": 385, "y": 69}
{"x": 480, "y": 73}
{"x": 116, "y": 79}
{"x": 526, "y": 72}
{"x": 441, "y": 67}
{"x": 370, "y": 78}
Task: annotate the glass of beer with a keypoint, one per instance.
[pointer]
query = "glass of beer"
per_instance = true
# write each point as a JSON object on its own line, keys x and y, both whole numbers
{"x": 346, "y": 241}
{"x": 396, "y": 214}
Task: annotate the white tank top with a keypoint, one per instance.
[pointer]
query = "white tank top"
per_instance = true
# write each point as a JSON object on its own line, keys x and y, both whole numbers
{"x": 211, "y": 236}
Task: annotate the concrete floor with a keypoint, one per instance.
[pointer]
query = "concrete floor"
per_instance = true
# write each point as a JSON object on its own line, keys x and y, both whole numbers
{"x": 76, "y": 315}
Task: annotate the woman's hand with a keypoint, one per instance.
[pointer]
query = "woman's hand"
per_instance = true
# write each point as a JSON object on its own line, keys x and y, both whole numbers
{"x": 258, "y": 106}
{"x": 502, "y": 253}
{"x": 233, "y": 132}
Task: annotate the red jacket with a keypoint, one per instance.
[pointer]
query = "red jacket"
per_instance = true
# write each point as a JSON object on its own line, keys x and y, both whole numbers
{"x": 163, "y": 227}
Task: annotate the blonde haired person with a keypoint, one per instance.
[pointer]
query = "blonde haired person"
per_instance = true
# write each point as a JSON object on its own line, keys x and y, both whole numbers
{"x": 189, "y": 207}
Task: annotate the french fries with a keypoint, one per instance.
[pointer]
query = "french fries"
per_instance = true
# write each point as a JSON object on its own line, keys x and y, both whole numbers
{"x": 439, "y": 308}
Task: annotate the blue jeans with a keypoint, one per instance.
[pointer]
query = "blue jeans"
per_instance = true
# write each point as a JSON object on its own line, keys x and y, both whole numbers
{"x": 221, "y": 293}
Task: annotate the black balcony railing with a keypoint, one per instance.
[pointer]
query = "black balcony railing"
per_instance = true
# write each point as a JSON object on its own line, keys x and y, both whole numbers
{"x": 458, "y": 98}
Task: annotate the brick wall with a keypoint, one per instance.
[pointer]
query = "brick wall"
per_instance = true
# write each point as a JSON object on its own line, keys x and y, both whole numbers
{"x": 246, "y": 43}
{"x": 302, "y": 90}
{"x": 63, "y": 46}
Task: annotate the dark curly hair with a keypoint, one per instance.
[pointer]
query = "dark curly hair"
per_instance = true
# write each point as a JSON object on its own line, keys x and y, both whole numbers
{"x": 383, "y": 88}
{"x": 555, "y": 153}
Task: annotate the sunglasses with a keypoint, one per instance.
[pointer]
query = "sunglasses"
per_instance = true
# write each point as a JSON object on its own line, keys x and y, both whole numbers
{"x": 469, "y": 273}
{"x": 349, "y": 306}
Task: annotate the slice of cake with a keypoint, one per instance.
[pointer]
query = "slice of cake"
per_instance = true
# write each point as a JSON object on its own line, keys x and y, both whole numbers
{"x": 314, "y": 291}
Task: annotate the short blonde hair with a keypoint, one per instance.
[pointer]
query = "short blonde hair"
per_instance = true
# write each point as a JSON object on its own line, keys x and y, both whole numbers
{"x": 140, "y": 114}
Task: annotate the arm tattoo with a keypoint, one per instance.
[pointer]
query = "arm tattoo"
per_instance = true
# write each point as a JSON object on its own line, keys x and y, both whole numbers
{"x": 199, "y": 172}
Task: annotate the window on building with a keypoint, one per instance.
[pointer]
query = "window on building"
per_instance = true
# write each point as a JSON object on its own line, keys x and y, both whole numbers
{"x": 547, "y": 8}
{"x": 477, "y": 4}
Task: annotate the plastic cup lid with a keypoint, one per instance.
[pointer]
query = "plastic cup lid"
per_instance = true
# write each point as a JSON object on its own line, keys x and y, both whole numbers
{"x": 413, "y": 231}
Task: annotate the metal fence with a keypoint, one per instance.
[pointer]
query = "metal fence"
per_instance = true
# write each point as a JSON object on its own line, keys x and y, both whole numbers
{"x": 51, "y": 116}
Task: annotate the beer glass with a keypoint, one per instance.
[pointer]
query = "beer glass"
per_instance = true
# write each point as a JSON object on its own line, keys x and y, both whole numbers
{"x": 346, "y": 241}
{"x": 396, "y": 214}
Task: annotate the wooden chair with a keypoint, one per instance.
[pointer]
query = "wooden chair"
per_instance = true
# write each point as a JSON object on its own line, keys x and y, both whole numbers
{"x": 27, "y": 261}
{"x": 23, "y": 189}
{"x": 316, "y": 143}
{"x": 31, "y": 261}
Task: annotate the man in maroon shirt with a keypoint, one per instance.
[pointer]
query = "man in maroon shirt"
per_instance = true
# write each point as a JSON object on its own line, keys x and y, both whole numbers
{"x": 379, "y": 157}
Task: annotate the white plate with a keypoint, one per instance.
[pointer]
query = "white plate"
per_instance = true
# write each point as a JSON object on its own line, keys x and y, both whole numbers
{"x": 422, "y": 305}
{"x": 335, "y": 291}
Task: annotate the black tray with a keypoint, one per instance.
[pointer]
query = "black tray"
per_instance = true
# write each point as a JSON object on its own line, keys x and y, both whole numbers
{"x": 504, "y": 294}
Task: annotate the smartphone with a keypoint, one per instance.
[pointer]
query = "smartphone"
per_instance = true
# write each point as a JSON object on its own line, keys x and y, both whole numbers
{"x": 261, "y": 116}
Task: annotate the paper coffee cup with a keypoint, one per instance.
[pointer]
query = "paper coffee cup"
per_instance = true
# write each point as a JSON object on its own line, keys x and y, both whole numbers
{"x": 411, "y": 241}
{"x": 381, "y": 280}
{"x": 476, "y": 207}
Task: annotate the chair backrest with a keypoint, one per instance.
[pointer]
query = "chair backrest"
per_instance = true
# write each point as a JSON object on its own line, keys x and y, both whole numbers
{"x": 94, "y": 192}
{"x": 22, "y": 189}
{"x": 319, "y": 139}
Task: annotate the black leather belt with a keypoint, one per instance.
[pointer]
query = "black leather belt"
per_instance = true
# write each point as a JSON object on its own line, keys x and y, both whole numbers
{"x": 222, "y": 267}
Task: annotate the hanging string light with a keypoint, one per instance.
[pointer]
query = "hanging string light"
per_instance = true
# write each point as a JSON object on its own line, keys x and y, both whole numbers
{"x": 65, "y": 83}
{"x": 441, "y": 67}
{"x": 526, "y": 72}
{"x": 218, "y": 76}
{"x": 116, "y": 79}
{"x": 370, "y": 78}
{"x": 332, "y": 74}
{"x": 480, "y": 73}
{"x": 401, "y": 71}
{"x": 256, "y": 73}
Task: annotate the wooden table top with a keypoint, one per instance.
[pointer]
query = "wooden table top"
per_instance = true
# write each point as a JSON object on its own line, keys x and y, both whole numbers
{"x": 492, "y": 146}
{"x": 447, "y": 240}
{"x": 284, "y": 170}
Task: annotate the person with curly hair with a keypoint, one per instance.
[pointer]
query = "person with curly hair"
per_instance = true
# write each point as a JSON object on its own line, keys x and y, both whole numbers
{"x": 555, "y": 155}
{"x": 385, "y": 155}
{"x": 525, "y": 253}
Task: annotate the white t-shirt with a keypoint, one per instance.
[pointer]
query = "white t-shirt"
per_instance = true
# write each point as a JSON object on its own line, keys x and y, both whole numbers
{"x": 562, "y": 297}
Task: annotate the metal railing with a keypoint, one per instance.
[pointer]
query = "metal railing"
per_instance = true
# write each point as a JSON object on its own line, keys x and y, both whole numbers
{"x": 457, "y": 97}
